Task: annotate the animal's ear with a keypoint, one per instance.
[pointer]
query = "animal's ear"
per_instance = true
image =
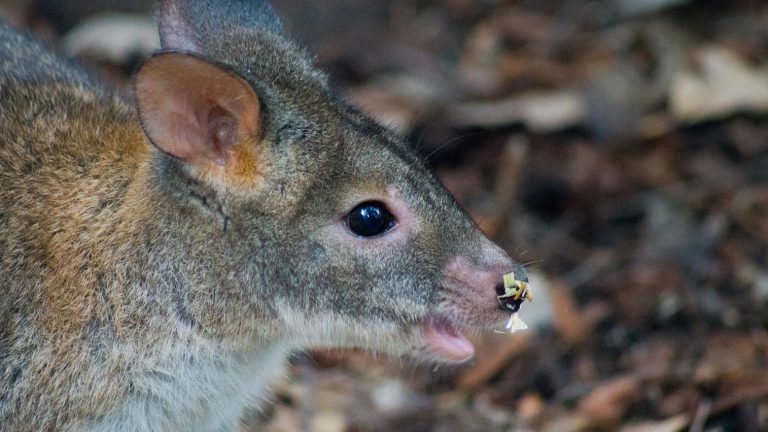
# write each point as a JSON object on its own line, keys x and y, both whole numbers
{"x": 197, "y": 25}
{"x": 197, "y": 111}
{"x": 175, "y": 29}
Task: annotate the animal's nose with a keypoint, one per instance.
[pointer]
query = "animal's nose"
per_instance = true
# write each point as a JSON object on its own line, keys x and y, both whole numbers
{"x": 500, "y": 288}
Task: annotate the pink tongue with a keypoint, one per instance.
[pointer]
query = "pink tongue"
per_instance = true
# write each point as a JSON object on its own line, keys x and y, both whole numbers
{"x": 447, "y": 340}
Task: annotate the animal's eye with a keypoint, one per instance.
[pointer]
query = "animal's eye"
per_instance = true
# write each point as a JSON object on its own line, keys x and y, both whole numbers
{"x": 370, "y": 219}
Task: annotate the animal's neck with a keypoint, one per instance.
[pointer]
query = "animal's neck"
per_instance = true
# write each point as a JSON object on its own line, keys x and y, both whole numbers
{"x": 197, "y": 385}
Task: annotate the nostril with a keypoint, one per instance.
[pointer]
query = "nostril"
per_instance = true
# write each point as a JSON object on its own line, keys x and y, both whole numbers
{"x": 500, "y": 289}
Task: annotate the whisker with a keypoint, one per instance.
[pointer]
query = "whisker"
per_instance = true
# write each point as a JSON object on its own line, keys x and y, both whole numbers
{"x": 451, "y": 141}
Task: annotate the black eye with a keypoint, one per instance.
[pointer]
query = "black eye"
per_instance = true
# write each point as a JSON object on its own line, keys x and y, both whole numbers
{"x": 370, "y": 219}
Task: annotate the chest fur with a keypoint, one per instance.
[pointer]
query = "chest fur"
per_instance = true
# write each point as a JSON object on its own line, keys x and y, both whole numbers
{"x": 203, "y": 390}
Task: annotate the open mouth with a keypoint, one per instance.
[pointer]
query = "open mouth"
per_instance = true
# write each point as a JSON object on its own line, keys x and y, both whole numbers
{"x": 443, "y": 338}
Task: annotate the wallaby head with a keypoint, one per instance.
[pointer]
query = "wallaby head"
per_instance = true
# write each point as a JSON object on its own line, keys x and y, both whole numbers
{"x": 323, "y": 228}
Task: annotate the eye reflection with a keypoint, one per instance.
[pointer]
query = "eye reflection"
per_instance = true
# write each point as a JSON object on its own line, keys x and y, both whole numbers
{"x": 370, "y": 219}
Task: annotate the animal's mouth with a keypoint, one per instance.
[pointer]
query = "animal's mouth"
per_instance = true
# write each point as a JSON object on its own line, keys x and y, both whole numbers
{"x": 443, "y": 339}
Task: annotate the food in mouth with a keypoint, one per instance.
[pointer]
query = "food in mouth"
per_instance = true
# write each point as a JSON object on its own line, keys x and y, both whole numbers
{"x": 515, "y": 291}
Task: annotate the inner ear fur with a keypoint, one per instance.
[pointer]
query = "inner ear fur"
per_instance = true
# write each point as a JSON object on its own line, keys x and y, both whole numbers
{"x": 196, "y": 110}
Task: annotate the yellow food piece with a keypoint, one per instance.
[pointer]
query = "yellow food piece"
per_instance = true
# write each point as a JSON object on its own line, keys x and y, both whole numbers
{"x": 509, "y": 280}
{"x": 515, "y": 288}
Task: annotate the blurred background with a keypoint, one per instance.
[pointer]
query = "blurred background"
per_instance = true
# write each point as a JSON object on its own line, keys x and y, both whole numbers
{"x": 618, "y": 148}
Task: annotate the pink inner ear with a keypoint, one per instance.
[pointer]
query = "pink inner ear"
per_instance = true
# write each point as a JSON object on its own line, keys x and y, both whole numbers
{"x": 182, "y": 128}
{"x": 223, "y": 130}
{"x": 195, "y": 110}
